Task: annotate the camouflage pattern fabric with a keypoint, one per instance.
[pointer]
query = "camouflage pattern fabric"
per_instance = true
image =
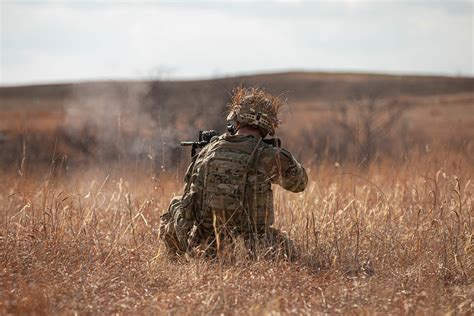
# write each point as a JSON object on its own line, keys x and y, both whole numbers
{"x": 228, "y": 193}
{"x": 177, "y": 222}
{"x": 173, "y": 227}
{"x": 270, "y": 244}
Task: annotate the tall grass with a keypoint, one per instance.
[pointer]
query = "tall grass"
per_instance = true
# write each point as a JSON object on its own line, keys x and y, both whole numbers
{"x": 395, "y": 237}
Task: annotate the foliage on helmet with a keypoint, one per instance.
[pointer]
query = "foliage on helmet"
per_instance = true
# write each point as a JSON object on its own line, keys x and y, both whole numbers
{"x": 255, "y": 107}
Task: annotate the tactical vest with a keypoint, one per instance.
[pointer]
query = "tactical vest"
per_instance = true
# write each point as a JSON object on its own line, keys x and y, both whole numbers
{"x": 230, "y": 187}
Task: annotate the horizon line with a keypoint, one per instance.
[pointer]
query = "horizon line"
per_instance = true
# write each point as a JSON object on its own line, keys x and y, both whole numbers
{"x": 225, "y": 76}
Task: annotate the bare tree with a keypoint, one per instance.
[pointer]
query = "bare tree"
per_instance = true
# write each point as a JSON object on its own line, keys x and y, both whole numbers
{"x": 367, "y": 120}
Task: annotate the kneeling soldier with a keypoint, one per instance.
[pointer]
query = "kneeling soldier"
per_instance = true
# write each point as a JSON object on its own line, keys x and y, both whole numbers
{"x": 228, "y": 192}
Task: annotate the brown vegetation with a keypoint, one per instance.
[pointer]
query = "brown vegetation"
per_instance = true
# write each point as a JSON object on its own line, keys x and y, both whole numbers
{"x": 80, "y": 203}
{"x": 341, "y": 117}
{"x": 395, "y": 239}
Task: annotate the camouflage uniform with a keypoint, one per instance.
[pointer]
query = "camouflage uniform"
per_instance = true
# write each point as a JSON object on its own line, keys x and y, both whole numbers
{"x": 228, "y": 194}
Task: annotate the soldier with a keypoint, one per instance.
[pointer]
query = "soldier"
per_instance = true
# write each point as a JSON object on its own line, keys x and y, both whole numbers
{"x": 227, "y": 193}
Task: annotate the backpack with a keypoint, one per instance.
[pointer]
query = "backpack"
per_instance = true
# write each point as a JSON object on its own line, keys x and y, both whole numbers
{"x": 230, "y": 189}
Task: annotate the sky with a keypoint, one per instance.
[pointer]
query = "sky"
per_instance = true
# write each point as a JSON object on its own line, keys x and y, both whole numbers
{"x": 67, "y": 41}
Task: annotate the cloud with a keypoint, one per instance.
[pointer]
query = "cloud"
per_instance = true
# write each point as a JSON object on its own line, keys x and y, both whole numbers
{"x": 57, "y": 42}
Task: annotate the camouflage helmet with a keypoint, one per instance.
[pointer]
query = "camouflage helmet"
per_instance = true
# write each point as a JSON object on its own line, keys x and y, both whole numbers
{"x": 255, "y": 107}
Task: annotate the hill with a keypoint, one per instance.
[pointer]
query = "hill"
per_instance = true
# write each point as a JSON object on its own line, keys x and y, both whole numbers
{"x": 114, "y": 120}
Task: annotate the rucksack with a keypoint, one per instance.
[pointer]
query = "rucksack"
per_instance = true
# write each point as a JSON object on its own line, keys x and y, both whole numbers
{"x": 230, "y": 189}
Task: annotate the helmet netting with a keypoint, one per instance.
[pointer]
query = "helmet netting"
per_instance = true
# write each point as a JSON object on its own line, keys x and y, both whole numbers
{"x": 256, "y": 107}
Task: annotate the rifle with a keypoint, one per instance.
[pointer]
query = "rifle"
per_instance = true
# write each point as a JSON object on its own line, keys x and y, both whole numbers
{"x": 205, "y": 137}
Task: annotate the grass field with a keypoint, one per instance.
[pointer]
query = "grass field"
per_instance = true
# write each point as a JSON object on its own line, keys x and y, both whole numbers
{"x": 397, "y": 240}
{"x": 87, "y": 169}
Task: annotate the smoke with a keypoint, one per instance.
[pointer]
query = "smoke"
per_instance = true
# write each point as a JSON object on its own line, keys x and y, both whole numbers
{"x": 117, "y": 121}
{"x": 140, "y": 122}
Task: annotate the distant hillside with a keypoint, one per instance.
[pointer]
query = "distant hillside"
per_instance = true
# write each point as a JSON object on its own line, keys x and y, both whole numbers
{"x": 297, "y": 86}
{"x": 116, "y": 119}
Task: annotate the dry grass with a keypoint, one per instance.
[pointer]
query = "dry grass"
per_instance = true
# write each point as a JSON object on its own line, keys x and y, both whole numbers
{"x": 396, "y": 238}
{"x": 109, "y": 121}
